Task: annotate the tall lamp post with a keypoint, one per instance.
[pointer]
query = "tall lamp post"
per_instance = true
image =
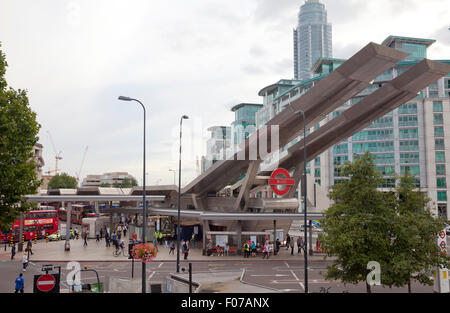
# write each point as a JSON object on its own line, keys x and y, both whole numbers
{"x": 304, "y": 200}
{"x": 171, "y": 170}
{"x": 184, "y": 117}
{"x": 144, "y": 204}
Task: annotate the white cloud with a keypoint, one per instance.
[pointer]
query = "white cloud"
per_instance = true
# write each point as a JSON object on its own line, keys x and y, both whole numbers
{"x": 198, "y": 58}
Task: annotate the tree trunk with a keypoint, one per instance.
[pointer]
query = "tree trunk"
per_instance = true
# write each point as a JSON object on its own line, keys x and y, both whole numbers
{"x": 409, "y": 287}
{"x": 368, "y": 288}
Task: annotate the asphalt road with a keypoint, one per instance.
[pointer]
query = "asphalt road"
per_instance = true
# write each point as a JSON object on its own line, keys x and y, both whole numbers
{"x": 284, "y": 276}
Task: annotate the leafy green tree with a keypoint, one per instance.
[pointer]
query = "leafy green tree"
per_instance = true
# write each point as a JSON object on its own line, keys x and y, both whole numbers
{"x": 357, "y": 224}
{"x": 18, "y": 135}
{"x": 415, "y": 253}
{"x": 126, "y": 183}
{"x": 105, "y": 185}
{"x": 62, "y": 181}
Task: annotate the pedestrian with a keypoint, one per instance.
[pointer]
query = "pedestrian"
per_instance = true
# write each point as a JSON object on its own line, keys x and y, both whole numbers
{"x": 193, "y": 238}
{"x": 227, "y": 249}
{"x": 266, "y": 251}
{"x": 108, "y": 240}
{"x": 13, "y": 251}
{"x": 85, "y": 239}
{"x": 186, "y": 250}
{"x": 101, "y": 233}
{"x": 253, "y": 248}
{"x": 292, "y": 243}
{"x": 19, "y": 284}
{"x": 43, "y": 234}
{"x": 24, "y": 262}
{"x": 125, "y": 228}
{"x": 288, "y": 241}
{"x": 29, "y": 247}
{"x": 300, "y": 244}
{"x": 97, "y": 235}
{"x": 172, "y": 247}
{"x": 114, "y": 239}
{"x": 277, "y": 246}
{"x": 246, "y": 249}
{"x": 166, "y": 242}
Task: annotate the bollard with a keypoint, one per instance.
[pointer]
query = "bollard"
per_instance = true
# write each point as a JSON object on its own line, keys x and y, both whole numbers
{"x": 35, "y": 238}
{"x": 23, "y": 239}
{"x": 46, "y": 237}
{"x": 57, "y": 237}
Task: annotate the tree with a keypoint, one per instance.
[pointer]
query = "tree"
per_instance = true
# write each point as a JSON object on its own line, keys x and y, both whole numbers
{"x": 415, "y": 251}
{"x": 62, "y": 181}
{"x": 126, "y": 183}
{"x": 105, "y": 185}
{"x": 357, "y": 224}
{"x": 18, "y": 135}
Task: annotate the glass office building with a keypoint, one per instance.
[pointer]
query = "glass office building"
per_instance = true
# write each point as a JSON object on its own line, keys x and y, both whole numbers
{"x": 244, "y": 122}
{"x": 312, "y": 38}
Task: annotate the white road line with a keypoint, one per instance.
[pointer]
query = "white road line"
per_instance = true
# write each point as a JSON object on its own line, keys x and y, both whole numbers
{"x": 301, "y": 285}
{"x": 295, "y": 276}
{"x": 160, "y": 264}
{"x": 151, "y": 275}
{"x": 285, "y": 262}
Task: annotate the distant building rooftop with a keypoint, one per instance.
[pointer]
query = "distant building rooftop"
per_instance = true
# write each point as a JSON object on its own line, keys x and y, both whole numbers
{"x": 388, "y": 41}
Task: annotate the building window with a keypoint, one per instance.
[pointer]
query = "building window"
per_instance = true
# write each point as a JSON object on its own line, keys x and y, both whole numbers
{"x": 440, "y": 169}
{"x": 385, "y": 170}
{"x": 409, "y": 157}
{"x": 317, "y": 172}
{"x": 408, "y": 108}
{"x": 440, "y": 157}
{"x": 442, "y": 195}
{"x": 408, "y": 133}
{"x": 317, "y": 161}
{"x": 439, "y": 144}
{"x": 438, "y": 119}
{"x": 440, "y": 182}
{"x": 439, "y": 131}
{"x": 412, "y": 145}
{"x": 409, "y": 120}
{"x": 412, "y": 170}
{"x": 437, "y": 106}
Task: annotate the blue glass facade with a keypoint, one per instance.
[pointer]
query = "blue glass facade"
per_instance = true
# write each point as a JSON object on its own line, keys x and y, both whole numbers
{"x": 312, "y": 38}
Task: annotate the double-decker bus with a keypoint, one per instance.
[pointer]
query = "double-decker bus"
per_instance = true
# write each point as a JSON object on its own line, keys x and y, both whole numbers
{"x": 79, "y": 211}
{"x": 33, "y": 222}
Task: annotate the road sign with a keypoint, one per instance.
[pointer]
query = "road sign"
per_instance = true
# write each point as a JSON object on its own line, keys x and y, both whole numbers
{"x": 287, "y": 181}
{"x": 47, "y": 283}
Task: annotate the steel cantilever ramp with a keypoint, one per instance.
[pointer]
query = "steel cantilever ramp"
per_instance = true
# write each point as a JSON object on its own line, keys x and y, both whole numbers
{"x": 349, "y": 79}
{"x": 397, "y": 92}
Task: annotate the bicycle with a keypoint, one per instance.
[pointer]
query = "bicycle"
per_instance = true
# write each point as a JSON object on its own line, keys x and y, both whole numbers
{"x": 120, "y": 250}
{"x": 324, "y": 290}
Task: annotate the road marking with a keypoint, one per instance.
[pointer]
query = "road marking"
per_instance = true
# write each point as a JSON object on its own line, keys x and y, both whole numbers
{"x": 285, "y": 262}
{"x": 296, "y": 278}
{"x": 277, "y": 275}
{"x": 301, "y": 285}
{"x": 160, "y": 264}
{"x": 151, "y": 275}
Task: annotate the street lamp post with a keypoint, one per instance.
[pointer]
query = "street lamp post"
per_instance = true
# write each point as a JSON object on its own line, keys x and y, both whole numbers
{"x": 144, "y": 204}
{"x": 184, "y": 117}
{"x": 171, "y": 170}
{"x": 304, "y": 201}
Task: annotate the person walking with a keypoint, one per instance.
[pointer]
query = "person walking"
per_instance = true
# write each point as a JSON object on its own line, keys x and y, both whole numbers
{"x": 246, "y": 249}
{"x": 292, "y": 243}
{"x": 226, "y": 250}
{"x": 300, "y": 245}
{"x": 277, "y": 246}
{"x": 24, "y": 262}
{"x": 29, "y": 247}
{"x": 19, "y": 284}
{"x": 108, "y": 240}
{"x": 266, "y": 251}
{"x": 13, "y": 251}
{"x": 85, "y": 235}
{"x": 101, "y": 233}
{"x": 288, "y": 241}
{"x": 114, "y": 239}
{"x": 125, "y": 228}
{"x": 97, "y": 235}
{"x": 186, "y": 250}
{"x": 172, "y": 247}
{"x": 253, "y": 248}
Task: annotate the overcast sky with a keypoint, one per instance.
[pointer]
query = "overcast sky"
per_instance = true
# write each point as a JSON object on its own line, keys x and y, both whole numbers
{"x": 193, "y": 57}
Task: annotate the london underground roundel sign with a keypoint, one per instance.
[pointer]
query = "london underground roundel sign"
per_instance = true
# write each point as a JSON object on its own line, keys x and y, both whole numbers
{"x": 284, "y": 180}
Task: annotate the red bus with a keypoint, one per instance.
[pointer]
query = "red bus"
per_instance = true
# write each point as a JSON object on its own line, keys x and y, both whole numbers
{"x": 33, "y": 222}
{"x": 79, "y": 211}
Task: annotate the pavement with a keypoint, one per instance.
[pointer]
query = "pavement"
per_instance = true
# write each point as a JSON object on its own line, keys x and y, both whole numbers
{"x": 54, "y": 251}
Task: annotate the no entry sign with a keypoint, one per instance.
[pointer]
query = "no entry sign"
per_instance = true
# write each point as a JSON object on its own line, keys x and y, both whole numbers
{"x": 284, "y": 180}
{"x": 47, "y": 283}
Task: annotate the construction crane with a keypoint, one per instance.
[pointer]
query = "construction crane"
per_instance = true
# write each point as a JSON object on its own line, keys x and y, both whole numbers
{"x": 57, "y": 156}
{"x": 81, "y": 166}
